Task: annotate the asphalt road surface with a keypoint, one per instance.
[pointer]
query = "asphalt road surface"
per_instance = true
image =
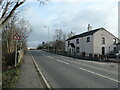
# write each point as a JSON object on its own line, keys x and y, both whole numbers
{"x": 65, "y": 72}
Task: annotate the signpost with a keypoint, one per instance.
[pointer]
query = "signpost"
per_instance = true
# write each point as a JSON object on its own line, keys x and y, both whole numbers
{"x": 16, "y": 37}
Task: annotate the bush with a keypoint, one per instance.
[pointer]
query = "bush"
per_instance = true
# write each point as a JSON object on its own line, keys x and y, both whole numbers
{"x": 10, "y": 58}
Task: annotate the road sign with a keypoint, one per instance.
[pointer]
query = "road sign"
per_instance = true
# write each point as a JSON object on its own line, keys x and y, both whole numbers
{"x": 16, "y": 36}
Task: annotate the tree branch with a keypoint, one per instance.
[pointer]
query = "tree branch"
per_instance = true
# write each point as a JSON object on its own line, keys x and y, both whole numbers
{"x": 11, "y": 13}
{"x": 5, "y": 10}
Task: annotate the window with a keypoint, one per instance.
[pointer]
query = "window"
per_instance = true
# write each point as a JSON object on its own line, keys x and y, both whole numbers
{"x": 68, "y": 42}
{"x": 103, "y": 40}
{"x": 114, "y": 41}
{"x": 115, "y": 49}
{"x": 77, "y": 49}
{"x": 88, "y": 39}
{"x": 77, "y": 41}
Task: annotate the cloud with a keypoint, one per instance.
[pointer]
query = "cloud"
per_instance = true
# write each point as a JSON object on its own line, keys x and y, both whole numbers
{"x": 76, "y": 0}
{"x": 70, "y": 17}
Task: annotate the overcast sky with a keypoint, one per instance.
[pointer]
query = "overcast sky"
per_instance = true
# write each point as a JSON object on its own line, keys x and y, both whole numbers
{"x": 70, "y": 15}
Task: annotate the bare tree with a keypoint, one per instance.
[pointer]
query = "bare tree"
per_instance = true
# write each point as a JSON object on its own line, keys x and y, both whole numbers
{"x": 14, "y": 25}
{"x": 58, "y": 34}
{"x": 59, "y": 39}
{"x": 8, "y": 8}
{"x": 10, "y": 24}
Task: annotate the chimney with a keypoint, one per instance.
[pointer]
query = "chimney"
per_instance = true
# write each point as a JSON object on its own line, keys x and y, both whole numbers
{"x": 89, "y": 27}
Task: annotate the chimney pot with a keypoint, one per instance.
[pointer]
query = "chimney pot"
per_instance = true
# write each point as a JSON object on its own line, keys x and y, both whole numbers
{"x": 89, "y": 27}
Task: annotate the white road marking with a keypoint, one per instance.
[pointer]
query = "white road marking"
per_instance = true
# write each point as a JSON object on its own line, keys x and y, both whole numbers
{"x": 85, "y": 60}
{"x": 62, "y": 62}
{"x": 76, "y": 60}
{"x": 99, "y": 62}
{"x": 50, "y": 57}
{"x": 99, "y": 75}
{"x": 61, "y": 56}
{"x": 67, "y": 57}
{"x": 58, "y": 60}
{"x": 90, "y": 61}
{"x": 41, "y": 74}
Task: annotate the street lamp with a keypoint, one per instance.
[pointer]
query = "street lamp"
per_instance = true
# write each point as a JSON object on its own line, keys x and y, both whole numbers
{"x": 48, "y": 35}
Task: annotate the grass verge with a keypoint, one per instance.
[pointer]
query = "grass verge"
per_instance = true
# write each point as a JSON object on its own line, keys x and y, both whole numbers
{"x": 10, "y": 77}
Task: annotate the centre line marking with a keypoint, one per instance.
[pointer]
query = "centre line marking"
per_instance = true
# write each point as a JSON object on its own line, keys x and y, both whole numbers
{"x": 85, "y": 61}
{"x": 99, "y": 75}
{"x": 58, "y": 60}
{"x": 62, "y": 62}
{"x": 50, "y": 57}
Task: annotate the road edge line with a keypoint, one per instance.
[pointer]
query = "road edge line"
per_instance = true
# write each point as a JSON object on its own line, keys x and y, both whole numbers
{"x": 41, "y": 74}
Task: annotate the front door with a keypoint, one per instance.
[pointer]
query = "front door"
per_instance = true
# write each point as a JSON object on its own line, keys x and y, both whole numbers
{"x": 103, "y": 50}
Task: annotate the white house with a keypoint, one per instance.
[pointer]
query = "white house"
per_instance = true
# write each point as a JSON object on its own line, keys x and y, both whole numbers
{"x": 92, "y": 42}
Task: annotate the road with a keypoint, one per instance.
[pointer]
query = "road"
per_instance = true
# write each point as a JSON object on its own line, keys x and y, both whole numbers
{"x": 66, "y": 72}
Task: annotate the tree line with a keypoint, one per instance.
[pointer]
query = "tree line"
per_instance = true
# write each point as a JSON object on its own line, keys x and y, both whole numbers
{"x": 58, "y": 42}
{"x": 10, "y": 23}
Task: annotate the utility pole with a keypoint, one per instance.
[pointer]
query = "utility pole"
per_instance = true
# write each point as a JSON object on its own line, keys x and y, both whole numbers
{"x": 48, "y": 35}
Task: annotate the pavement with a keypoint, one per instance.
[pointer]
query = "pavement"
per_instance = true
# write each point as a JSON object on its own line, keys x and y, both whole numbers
{"x": 28, "y": 74}
{"x": 65, "y": 72}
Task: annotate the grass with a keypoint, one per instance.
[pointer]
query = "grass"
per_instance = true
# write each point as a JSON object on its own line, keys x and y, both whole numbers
{"x": 10, "y": 77}
{"x": 11, "y": 74}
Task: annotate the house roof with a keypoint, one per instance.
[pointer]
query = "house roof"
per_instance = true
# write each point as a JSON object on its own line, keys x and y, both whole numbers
{"x": 85, "y": 34}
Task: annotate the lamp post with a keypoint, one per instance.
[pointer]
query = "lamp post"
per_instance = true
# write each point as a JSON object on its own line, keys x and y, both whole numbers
{"x": 48, "y": 35}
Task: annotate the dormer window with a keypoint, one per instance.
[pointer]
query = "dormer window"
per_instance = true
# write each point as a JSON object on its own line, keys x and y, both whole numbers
{"x": 77, "y": 41}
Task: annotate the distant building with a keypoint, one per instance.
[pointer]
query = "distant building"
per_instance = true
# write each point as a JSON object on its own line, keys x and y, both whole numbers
{"x": 98, "y": 41}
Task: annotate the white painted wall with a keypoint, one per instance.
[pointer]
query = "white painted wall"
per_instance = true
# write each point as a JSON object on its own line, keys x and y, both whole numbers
{"x": 95, "y": 44}
{"x": 98, "y": 41}
{"x": 77, "y": 45}
{"x": 85, "y": 46}
{"x": 66, "y": 45}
